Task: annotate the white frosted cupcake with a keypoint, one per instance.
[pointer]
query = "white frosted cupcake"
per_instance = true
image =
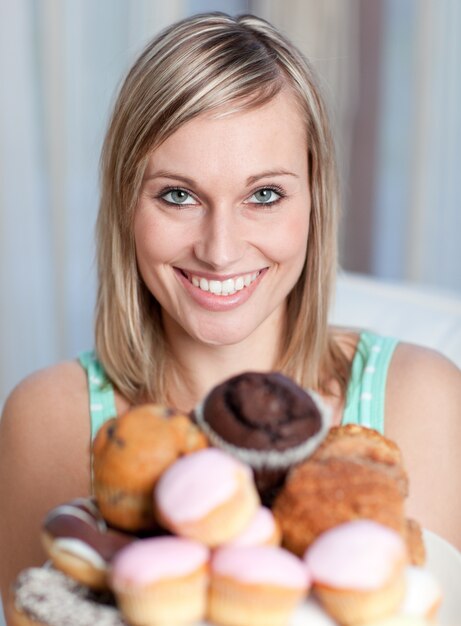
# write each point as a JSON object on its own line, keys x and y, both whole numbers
{"x": 358, "y": 571}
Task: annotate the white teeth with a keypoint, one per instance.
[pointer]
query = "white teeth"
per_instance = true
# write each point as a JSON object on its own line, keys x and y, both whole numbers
{"x": 228, "y": 286}
{"x": 224, "y": 287}
{"x": 215, "y": 286}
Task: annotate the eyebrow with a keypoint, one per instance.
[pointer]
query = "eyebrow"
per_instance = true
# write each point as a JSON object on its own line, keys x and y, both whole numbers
{"x": 250, "y": 180}
{"x": 270, "y": 174}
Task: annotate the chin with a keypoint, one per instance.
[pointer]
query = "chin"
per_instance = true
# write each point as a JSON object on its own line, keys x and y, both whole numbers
{"x": 221, "y": 336}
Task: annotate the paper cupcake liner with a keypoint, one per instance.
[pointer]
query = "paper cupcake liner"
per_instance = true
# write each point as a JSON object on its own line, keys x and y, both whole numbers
{"x": 232, "y": 603}
{"x": 269, "y": 459}
{"x": 177, "y": 601}
{"x": 433, "y": 611}
{"x": 353, "y": 608}
{"x": 403, "y": 620}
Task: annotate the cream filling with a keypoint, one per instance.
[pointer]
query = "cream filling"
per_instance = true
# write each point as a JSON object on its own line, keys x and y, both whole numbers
{"x": 73, "y": 511}
{"x": 79, "y": 549}
{"x": 223, "y": 287}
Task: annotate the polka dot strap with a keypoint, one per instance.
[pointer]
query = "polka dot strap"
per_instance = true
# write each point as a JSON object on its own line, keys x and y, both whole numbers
{"x": 366, "y": 392}
{"x": 101, "y": 392}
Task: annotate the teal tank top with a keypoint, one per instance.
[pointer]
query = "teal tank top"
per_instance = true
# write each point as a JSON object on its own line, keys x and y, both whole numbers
{"x": 100, "y": 390}
{"x": 366, "y": 391}
{"x": 364, "y": 400}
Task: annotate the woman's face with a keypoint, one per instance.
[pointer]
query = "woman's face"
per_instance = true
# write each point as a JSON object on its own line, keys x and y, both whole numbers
{"x": 222, "y": 222}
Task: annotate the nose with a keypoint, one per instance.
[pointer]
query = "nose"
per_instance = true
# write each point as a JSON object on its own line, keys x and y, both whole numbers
{"x": 220, "y": 243}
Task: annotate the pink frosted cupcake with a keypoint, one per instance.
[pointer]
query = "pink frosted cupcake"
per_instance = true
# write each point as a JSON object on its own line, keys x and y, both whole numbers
{"x": 358, "y": 571}
{"x": 208, "y": 496}
{"x": 160, "y": 581}
{"x": 255, "y": 586}
{"x": 263, "y": 530}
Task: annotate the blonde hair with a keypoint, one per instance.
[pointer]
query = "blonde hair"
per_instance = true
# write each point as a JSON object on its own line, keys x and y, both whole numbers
{"x": 206, "y": 63}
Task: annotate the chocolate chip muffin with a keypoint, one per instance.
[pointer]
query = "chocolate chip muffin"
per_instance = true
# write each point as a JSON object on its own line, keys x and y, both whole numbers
{"x": 130, "y": 453}
{"x": 267, "y": 421}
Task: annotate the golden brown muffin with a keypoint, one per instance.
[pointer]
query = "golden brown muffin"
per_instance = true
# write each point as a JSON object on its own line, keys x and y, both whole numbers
{"x": 355, "y": 473}
{"x": 190, "y": 437}
{"x": 321, "y": 494}
{"x": 415, "y": 542}
{"x": 129, "y": 455}
{"x": 366, "y": 444}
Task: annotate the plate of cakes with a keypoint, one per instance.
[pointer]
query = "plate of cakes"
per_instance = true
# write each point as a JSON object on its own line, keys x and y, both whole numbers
{"x": 251, "y": 511}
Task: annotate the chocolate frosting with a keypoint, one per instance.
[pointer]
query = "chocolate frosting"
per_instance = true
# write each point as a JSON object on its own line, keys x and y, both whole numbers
{"x": 80, "y": 519}
{"x": 106, "y": 544}
{"x": 262, "y": 411}
{"x": 267, "y": 421}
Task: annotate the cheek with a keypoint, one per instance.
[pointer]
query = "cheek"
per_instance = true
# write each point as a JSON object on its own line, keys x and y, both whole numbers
{"x": 154, "y": 241}
{"x": 289, "y": 239}
{"x": 145, "y": 243}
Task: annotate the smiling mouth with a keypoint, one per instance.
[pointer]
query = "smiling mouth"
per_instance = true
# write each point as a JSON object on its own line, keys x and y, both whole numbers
{"x": 222, "y": 287}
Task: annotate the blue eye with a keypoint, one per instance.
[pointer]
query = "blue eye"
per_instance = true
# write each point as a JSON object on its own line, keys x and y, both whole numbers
{"x": 177, "y": 196}
{"x": 266, "y": 195}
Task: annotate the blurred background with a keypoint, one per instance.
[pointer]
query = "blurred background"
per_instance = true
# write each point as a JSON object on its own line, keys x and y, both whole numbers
{"x": 390, "y": 71}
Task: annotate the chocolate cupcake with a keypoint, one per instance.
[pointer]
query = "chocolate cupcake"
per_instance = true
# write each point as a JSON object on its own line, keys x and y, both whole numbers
{"x": 267, "y": 421}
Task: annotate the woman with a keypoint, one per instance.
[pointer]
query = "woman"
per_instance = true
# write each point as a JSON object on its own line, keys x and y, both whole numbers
{"x": 217, "y": 254}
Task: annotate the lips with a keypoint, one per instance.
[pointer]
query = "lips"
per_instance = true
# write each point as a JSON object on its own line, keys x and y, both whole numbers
{"x": 226, "y": 287}
{"x": 220, "y": 294}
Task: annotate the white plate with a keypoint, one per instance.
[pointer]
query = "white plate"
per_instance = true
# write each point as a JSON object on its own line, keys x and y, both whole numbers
{"x": 443, "y": 560}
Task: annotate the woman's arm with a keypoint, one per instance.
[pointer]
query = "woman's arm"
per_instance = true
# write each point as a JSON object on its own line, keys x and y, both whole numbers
{"x": 44, "y": 460}
{"x": 423, "y": 415}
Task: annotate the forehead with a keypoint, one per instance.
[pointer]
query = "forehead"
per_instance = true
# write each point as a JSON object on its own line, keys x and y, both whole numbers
{"x": 266, "y": 136}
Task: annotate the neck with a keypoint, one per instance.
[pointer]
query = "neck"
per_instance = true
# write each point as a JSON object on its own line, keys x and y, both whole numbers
{"x": 196, "y": 367}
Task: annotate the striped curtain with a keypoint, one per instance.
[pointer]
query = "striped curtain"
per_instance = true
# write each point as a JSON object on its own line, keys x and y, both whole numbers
{"x": 60, "y": 64}
{"x": 391, "y": 77}
{"x": 417, "y": 203}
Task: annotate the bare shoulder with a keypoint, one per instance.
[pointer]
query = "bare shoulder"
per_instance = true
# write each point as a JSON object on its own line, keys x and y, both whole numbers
{"x": 55, "y": 387}
{"x": 51, "y": 402}
{"x": 44, "y": 458}
{"x": 423, "y": 415}
{"x": 49, "y": 408}
{"x": 427, "y": 358}
{"x": 423, "y": 384}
